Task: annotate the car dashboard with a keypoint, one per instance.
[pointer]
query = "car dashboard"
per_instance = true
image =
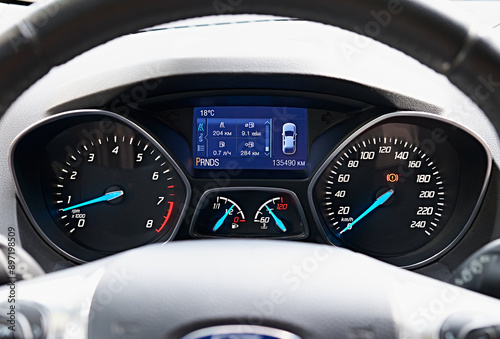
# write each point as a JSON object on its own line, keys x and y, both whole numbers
{"x": 214, "y": 128}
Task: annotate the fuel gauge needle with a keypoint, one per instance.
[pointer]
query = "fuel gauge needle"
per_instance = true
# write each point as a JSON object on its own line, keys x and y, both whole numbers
{"x": 221, "y": 220}
{"x": 106, "y": 197}
{"x": 381, "y": 200}
{"x": 280, "y": 223}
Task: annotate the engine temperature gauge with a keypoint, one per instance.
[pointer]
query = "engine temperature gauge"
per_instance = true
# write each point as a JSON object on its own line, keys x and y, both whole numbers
{"x": 270, "y": 214}
{"x": 277, "y": 214}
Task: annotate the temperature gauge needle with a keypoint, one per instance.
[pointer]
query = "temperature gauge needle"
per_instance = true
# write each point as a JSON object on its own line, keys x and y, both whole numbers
{"x": 280, "y": 223}
{"x": 381, "y": 200}
{"x": 106, "y": 197}
{"x": 221, "y": 220}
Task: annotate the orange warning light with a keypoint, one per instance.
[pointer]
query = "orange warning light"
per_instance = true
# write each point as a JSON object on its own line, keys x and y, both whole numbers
{"x": 392, "y": 177}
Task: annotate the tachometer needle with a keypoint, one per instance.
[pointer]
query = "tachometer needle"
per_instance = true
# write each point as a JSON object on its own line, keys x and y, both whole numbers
{"x": 221, "y": 220}
{"x": 280, "y": 223}
{"x": 382, "y": 199}
{"x": 106, "y": 197}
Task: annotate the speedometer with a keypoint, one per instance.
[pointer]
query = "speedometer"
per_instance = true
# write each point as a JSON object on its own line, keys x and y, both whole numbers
{"x": 385, "y": 190}
{"x": 392, "y": 188}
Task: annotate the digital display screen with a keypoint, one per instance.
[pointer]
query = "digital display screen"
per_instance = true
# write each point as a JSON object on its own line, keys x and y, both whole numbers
{"x": 250, "y": 137}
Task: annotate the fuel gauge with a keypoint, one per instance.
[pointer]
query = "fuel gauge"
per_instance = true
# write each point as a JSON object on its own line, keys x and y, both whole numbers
{"x": 276, "y": 212}
{"x": 227, "y": 214}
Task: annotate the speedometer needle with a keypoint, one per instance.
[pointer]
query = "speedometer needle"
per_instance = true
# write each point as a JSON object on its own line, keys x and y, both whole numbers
{"x": 221, "y": 220}
{"x": 106, "y": 197}
{"x": 280, "y": 223}
{"x": 382, "y": 199}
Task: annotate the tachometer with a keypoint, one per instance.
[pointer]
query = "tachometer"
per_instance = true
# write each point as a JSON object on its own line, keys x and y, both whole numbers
{"x": 398, "y": 189}
{"x": 107, "y": 185}
{"x": 113, "y": 192}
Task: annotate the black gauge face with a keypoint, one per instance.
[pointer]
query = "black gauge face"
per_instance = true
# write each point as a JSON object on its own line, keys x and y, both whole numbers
{"x": 392, "y": 190}
{"x": 226, "y": 214}
{"x": 384, "y": 195}
{"x": 249, "y": 212}
{"x": 112, "y": 189}
{"x": 271, "y": 214}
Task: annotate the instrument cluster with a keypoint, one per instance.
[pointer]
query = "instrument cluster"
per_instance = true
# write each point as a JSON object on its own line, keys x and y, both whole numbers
{"x": 402, "y": 187}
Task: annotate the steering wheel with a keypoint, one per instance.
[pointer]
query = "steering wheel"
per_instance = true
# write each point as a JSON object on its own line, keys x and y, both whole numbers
{"x": 273, "y": 289}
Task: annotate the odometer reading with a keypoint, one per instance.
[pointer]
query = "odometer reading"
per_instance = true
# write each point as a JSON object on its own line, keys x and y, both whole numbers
{"x": 285, "y": 163}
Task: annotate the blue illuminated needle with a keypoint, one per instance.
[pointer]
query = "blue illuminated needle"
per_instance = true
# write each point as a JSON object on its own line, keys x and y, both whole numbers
{"x": 106, "y": 197}
{"x": 280, "y": 223}
{"x": 381, "y": 200}
{"x": 219, "y": 223}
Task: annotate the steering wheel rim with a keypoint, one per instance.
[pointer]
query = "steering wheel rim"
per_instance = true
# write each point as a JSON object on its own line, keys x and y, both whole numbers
{"x": 60, "y": 30}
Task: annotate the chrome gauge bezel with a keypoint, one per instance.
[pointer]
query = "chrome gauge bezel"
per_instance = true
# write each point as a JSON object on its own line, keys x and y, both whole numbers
{"x": 78, "y": 253}
{"x": 406, "y": 262}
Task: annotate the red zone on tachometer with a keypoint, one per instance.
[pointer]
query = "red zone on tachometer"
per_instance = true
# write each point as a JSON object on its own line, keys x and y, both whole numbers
{"x": 171, "y": 205}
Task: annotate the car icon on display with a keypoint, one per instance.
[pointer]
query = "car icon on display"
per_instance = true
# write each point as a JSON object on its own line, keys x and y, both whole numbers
{"x": 289, "y": 138}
